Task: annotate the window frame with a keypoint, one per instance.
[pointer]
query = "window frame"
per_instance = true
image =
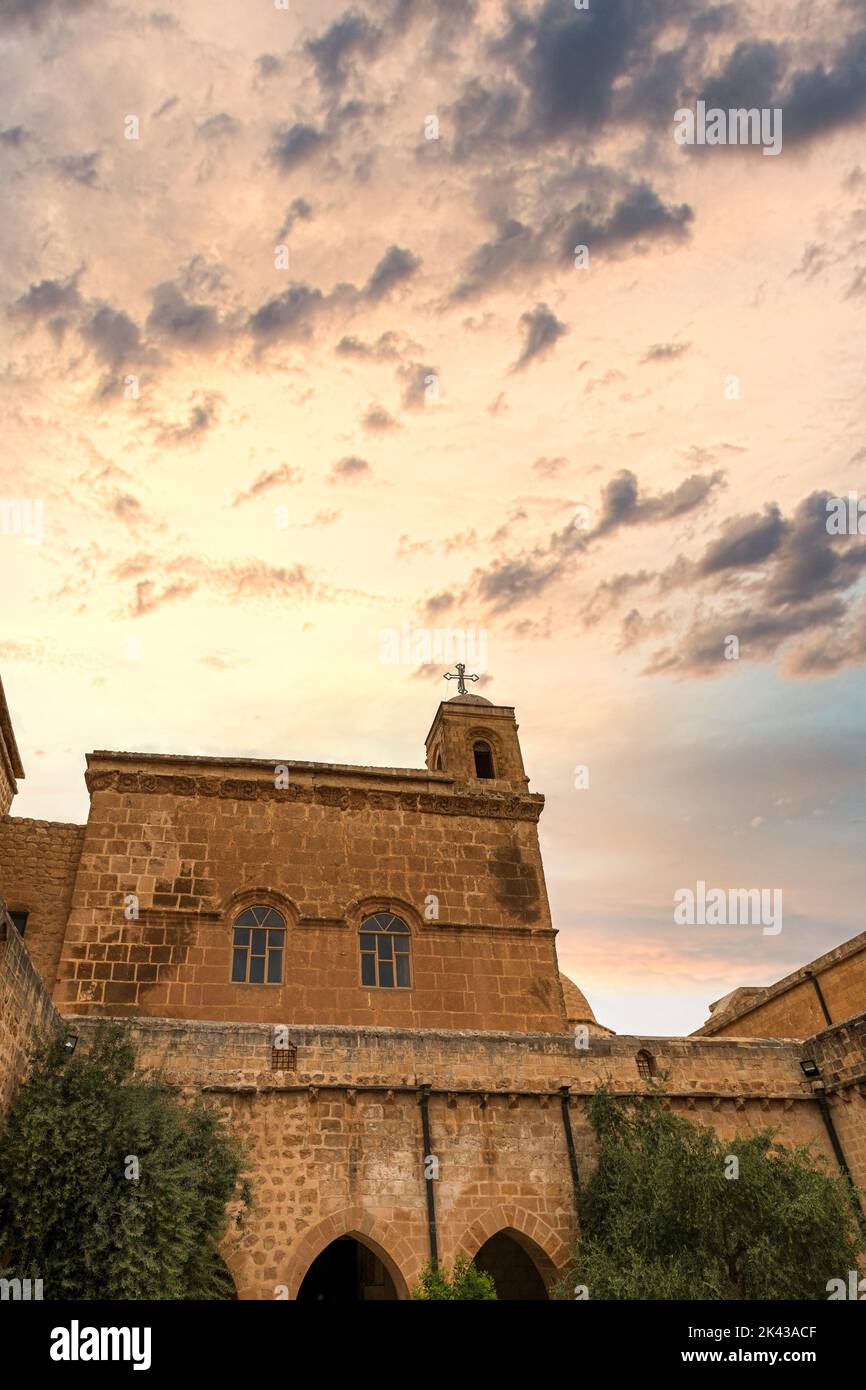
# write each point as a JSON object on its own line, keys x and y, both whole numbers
{"x": 479, "y": 744}
{"x": 379, "y": 958}
{"x": 271, "y": 949}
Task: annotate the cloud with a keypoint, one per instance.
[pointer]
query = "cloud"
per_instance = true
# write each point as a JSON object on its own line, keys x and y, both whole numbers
{"x": 288, "y": 316}
{"x": 276, "y": 477}
{"x": 511, "y": 580}
{"x": 628, "y": 220}
{"x": 47, "y": 298}
{"x": 203, "y": 416}
{"x": 514, "y": 248}
{"x": 349, "y": 470}
{"x": 222, "y": 126}
{"x": 183, "y": 323}
{"x": 615, "y": 217}
{"x": 745, "y": 541}
{"x": 377, "y": 420}
{"x": 385, "y": 349}
{"x": 80, "y": 168}
{"x": 418, "y": 379}
{"x": 541, "y": 331}
{"x": 765, "y": 579}
{"x": 113, "y": 335}
{"x": 395, "y": 266}
{"x": 295, "y": 144}
{"x": 664, "y": 352}
{"x": 299, "y": 210}
{"x": 148, "y": 598}
{"x": 549, "y": 467}
{"x": 333, "y": 53}
{"x": 623, "y": 505}
{"x": 35, "y": 13}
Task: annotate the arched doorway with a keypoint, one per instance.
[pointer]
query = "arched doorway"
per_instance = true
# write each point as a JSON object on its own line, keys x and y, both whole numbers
{"x": 506, "y": 1256}
{"x": 347, "y": 1272}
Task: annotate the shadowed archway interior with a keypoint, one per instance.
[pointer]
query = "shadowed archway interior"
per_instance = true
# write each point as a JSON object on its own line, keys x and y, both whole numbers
{"x": 347, "y": 1272}
{"x": 515, "y": 1274}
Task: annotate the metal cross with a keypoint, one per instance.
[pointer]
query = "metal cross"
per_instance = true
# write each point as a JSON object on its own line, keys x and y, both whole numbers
{"x": 461, "y": 678}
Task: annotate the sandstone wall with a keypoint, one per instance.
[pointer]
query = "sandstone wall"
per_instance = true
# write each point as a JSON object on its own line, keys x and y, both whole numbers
{"x": 840, "y": 1052}
{"x": 337, "y": 1142}
{"x": 7, "y": 783}
{"x": 791, "y": 1007}
{"x": 328, "y": 850}
{"x": 27, "y": 1014}
{"x": 38, "y": 862}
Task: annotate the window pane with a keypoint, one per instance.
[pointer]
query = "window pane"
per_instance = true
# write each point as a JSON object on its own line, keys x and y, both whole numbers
{"x": 246, "y": 919}
{"x": 368, "y": 943}
{"x": 403, "y": 971}
{"x": 275, "y": 967}
{"x": 386, "y": 974}
{"x": 239, "y": 966}
{"x": 368, "y": 970}
{"x": 399, "y": 926}
{"x": 386, "y": 947}
{"x": 242, "y": 936}
{"x": 272, "y": 918}
{"x": 259, "y": 938}
{"x": 275, "y": 938}
{"x": 257, "y": 970}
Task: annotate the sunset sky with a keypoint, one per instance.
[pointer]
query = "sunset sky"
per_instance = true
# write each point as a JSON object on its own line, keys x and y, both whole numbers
{"x": 250, "y": 471}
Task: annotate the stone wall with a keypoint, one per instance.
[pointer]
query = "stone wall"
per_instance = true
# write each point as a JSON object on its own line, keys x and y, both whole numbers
{"x": 337, "y": 1144}
{"x": 27, "y": 1014}
{"x": 195, "y": 846}
{"x": 8, "y": 787}
{"x": 840, "y": 1052}
{"x": 38, "y": 863}
{"x": 791, "y": 1008}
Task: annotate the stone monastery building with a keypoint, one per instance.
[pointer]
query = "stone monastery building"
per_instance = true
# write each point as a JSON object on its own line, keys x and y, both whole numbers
{"x": 359, "y": 966}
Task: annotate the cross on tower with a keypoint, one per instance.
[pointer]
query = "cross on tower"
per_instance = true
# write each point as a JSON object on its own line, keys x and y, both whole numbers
{"x": 461, "y": 678}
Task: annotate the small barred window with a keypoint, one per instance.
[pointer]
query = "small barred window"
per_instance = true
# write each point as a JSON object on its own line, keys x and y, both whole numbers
{"x": 284, "y": 1058}
{"x": 646, "y": 1066}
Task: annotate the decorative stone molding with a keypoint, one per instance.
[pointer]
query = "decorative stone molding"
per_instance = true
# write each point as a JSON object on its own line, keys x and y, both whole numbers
{"x": 494, "y": 805}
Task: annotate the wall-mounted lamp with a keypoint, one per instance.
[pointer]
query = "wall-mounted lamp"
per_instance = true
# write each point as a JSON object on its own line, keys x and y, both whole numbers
{"x": 810, "y": 1068}
{"x": 69, "y": 1042}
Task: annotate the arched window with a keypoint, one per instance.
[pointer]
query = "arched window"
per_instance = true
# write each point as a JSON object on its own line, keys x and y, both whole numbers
{"x": 437, "y": 766}
{"x": 646, "y": 1067}
{"x": 385, "y": 952}
{"x": 257, "y": 947}
{"x": 483, "y": 755}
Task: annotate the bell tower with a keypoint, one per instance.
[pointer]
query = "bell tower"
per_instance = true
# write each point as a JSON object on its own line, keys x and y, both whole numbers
{"x": 476, "y": 742}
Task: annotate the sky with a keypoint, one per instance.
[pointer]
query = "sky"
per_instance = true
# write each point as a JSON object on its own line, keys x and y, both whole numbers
{"x": 297, "y": 353}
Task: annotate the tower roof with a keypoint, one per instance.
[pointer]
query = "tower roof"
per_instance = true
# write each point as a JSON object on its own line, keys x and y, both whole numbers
{"x": 468, "y": 699}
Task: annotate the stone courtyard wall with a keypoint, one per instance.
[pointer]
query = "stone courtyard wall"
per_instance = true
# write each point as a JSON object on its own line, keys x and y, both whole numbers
{"x": 337, "y": 1143}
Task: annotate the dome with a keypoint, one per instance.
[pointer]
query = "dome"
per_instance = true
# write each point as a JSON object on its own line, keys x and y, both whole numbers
{"x": 576, "y": 1008}
{"x": 468, "y": 699}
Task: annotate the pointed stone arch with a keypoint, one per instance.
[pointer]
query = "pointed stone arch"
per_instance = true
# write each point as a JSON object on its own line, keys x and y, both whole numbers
{"x": 395, "y": 1251}
{"x": 540, "y": 1241}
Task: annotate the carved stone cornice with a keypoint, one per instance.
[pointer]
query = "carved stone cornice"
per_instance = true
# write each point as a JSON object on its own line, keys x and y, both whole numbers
{"x": 491, "y": 805}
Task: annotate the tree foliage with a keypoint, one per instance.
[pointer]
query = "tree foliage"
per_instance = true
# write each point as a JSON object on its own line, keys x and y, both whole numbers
{"x": 661, "y": 1219}
{"x": 73, "y": 1214}
{"x": 465, "y": 1282}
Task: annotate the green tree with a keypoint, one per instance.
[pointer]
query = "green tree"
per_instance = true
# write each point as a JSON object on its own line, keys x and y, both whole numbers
{"x": 664, "y": 1216}
{"x": 110, "y": 1187}
{"x": 466, "y": 1282}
